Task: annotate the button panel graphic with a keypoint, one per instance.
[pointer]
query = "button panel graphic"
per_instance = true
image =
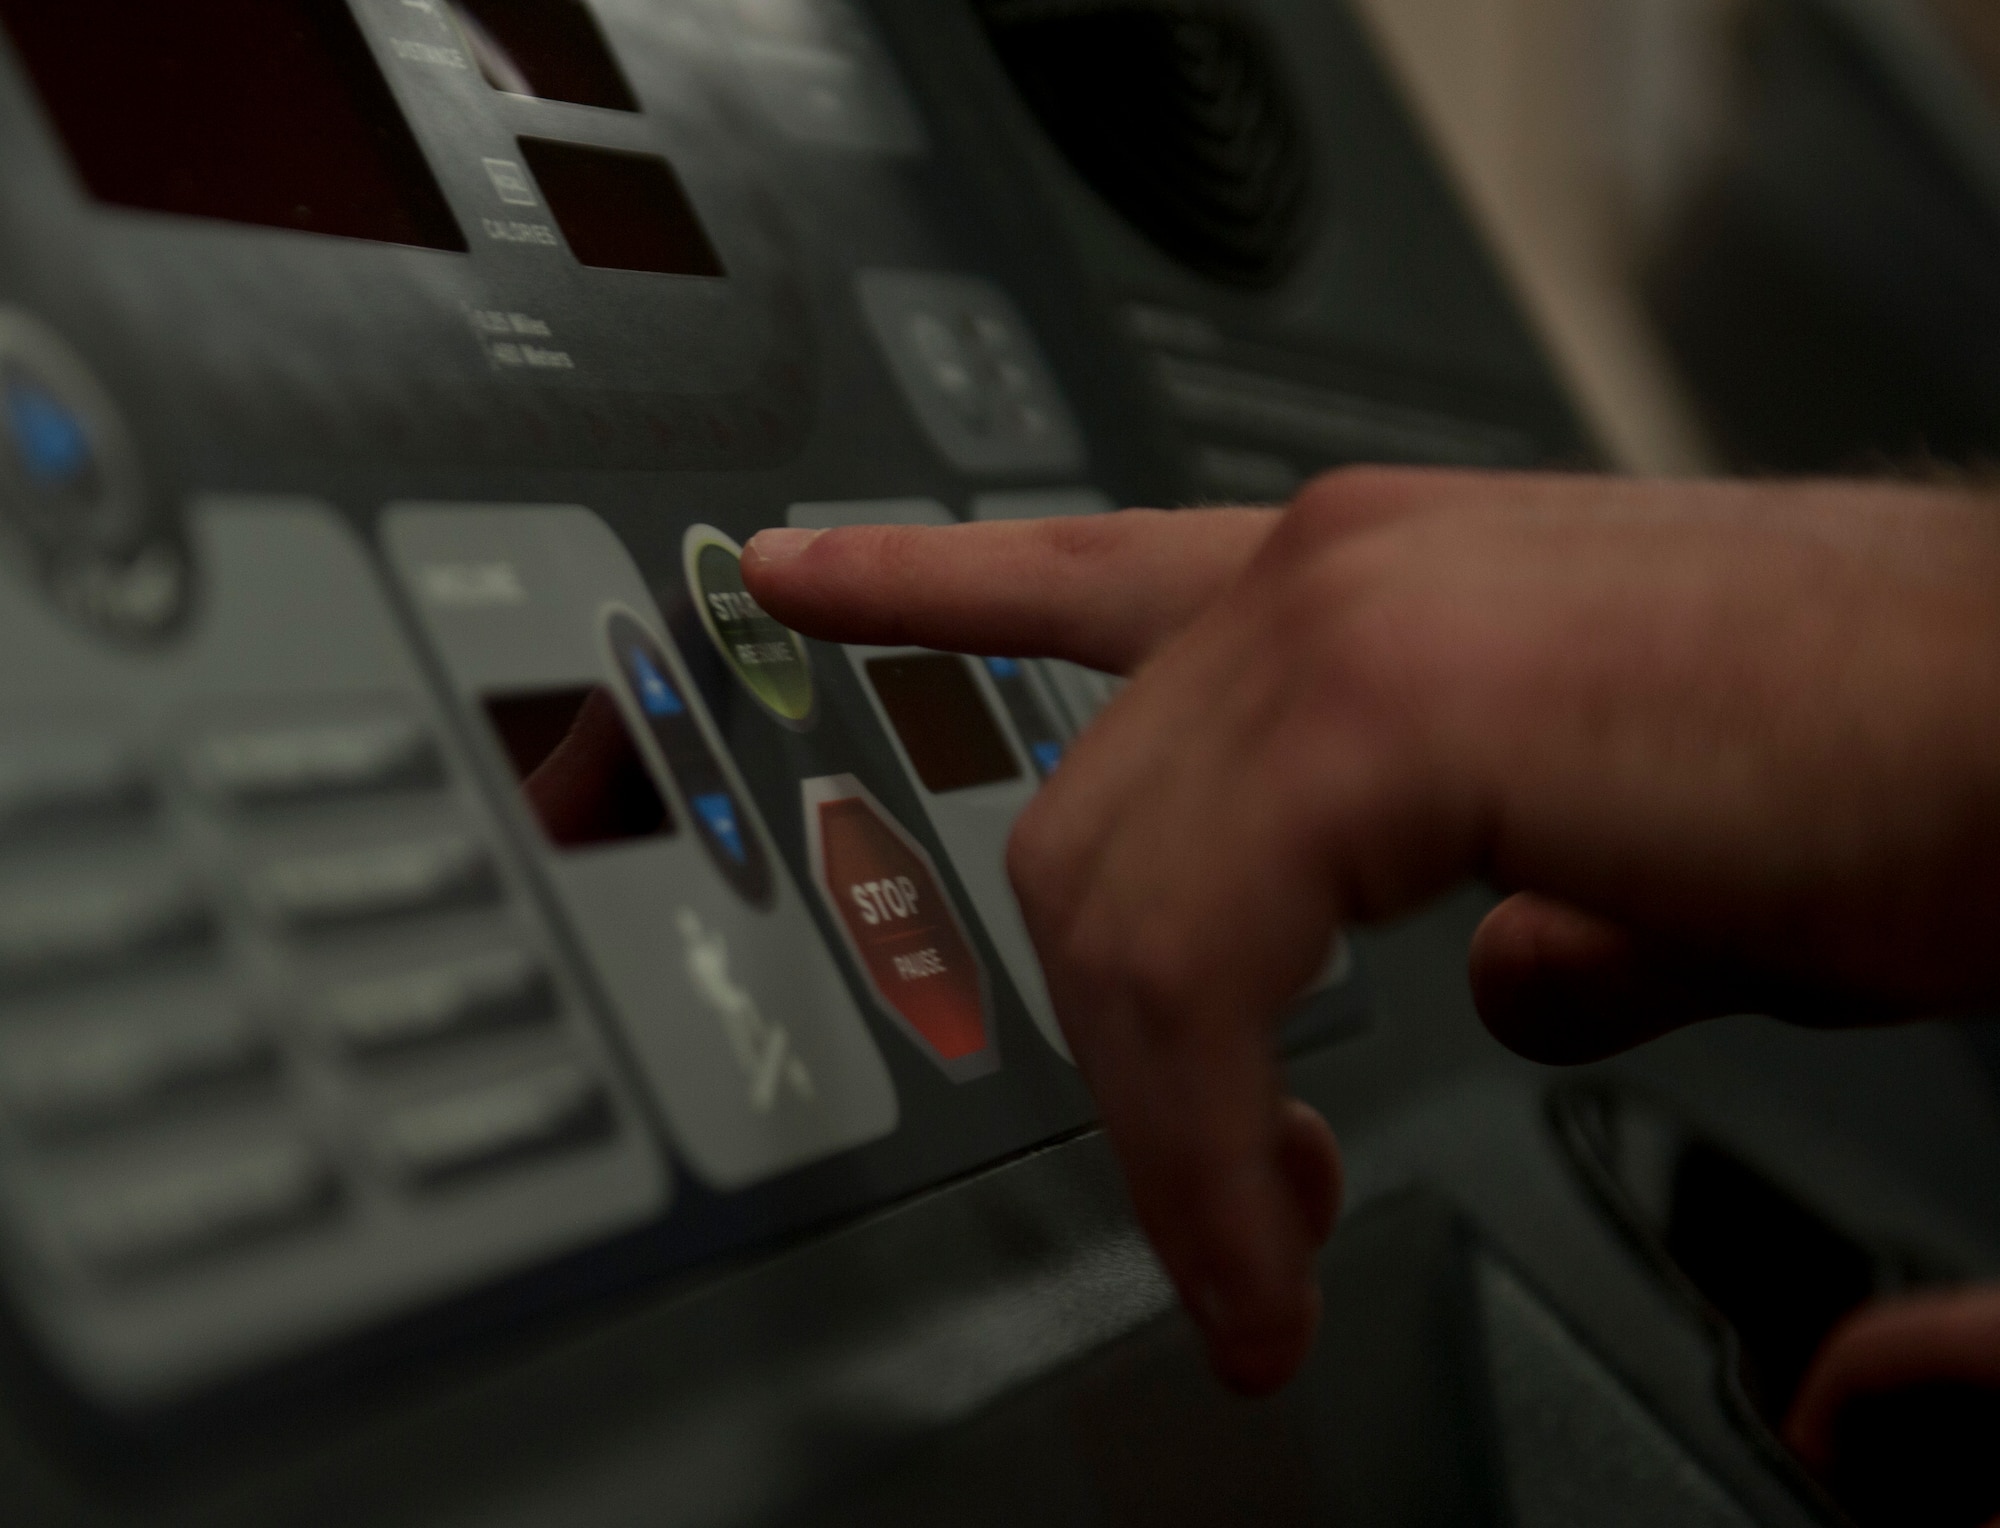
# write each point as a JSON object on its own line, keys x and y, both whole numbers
{"x": 387, "y": 1015}
{"x": 51, "y": 785}
{"x": 72, "y": 489}
{"x": 900, "y": 926}
{"x": 732, "y": 1006}
{"x": 252, "y": 912}
{"x": 447, "y": 1138}
{"x": 971, "y": 811}
{"x": 971, "y": 372}
{"x": 733, "y": 844}
{"x": 976, "y": 740}
{"x": 171, "y": 1216}
{"x": 1037, "y": 730}
{"x": 58, "y": 1078}
{"x": 300, "y": 763}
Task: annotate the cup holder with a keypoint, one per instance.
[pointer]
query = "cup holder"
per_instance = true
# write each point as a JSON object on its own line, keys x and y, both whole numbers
{"x": 1770, "y": 1275}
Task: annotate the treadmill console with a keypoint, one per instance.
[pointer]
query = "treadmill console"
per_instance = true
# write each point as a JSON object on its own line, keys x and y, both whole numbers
{"x": 447, "y": 928}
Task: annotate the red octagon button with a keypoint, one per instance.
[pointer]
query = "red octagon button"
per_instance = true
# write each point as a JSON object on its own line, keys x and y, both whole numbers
{"x": 899, "y": 925}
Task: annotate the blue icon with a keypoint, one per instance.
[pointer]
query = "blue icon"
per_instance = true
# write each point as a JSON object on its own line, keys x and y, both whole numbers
{"x": 51, "y": 440}
{"x": 656, "y": 696}
{"x": 1004, "y": 669}
{"x": 718, "y": 811}
{"x": 1047, "y": 757}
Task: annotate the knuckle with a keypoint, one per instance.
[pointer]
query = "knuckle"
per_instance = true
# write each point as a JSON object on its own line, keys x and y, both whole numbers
{"x": 1143, "y": 958}
{"x": 1337, "y": 615}
{"x": 1362, "y": 634}
{"x": 1036, "y": 861}
{"x": 1166, "y": 963}
{"x": 1337, "y": 498}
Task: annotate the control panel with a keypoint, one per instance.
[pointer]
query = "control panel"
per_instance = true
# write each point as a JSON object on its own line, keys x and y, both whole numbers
{"x": 470, "y": 978}
{"x": 423, "y": 866}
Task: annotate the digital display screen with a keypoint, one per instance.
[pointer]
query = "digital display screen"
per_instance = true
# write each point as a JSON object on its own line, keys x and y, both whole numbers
{"x": 947, "y": 729}
{"x": 621, "y": 211}
{"x": 549, "y": 49}
{"x": 272, "y": 112}
{"x": 579, "y": 769}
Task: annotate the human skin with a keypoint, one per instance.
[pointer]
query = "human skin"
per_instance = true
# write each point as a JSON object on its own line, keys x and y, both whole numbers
{"x": 1727, "y": 747}
{"x": 1934, "y": 1336}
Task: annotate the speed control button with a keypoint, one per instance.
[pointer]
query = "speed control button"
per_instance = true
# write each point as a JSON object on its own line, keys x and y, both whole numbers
{"x": 173, "y": 1215}
{"x": 64, "y": 783}
{"x": 288, "y": 764}
{"x": 84, "y": 928}
{"x": 365, "y": 885}
{"x": 440, "y": 1003}
{"x": 900, "y": 926}
{"x": 70, "y": 1076}
{"x": 443, "y": 1140}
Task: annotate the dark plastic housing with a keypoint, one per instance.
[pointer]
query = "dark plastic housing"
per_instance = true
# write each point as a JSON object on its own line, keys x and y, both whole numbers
{"x": 272, "y": 112}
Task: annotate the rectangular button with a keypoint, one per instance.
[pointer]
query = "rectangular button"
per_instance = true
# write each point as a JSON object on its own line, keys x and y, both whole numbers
{"x": 63, "y": 784}
{"x": 78, "y": 1075}
{"x": 441, "y": 1002}
{"x": 281, "y": 764}
{"x": 433, "y": 1142}
{"x": 86, "y": 927}
{"x": 389, "y": 881}
{"x": 158, "y": 1219}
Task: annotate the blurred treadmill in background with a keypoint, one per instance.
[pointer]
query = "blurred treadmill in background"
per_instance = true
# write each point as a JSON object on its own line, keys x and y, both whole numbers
{"x": 1829, "y": 279}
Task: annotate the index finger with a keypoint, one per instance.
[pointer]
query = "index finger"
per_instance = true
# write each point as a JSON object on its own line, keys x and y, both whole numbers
{"x": 1100, "y": 590}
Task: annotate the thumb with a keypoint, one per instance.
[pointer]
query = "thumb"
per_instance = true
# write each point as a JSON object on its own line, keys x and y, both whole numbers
{"x": 1558, "y": 984}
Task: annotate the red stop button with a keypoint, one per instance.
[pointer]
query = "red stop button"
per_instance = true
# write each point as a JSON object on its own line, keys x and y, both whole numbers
{"x": 899, "y": 925}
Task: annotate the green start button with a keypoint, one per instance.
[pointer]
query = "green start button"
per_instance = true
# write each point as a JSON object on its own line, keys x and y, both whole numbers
{"x": 768, "y": 658}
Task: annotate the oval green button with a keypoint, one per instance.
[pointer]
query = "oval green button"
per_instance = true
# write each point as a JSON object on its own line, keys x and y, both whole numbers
{"x": 767, "y": 657}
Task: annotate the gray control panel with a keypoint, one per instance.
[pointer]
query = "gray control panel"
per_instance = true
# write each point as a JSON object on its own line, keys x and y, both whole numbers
{"x": 287, "y": 1046}
{"x": 976, "y": 736}
{"x": 723, "y": 988}
{"x": 494, "y": 1027}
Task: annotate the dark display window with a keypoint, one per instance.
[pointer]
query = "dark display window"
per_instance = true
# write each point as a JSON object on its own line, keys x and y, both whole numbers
{"x": 948, "y": 730}
{"x": 621, "y": 211}
{"x": 271, "y": 112}
{"x": 579, "y": 769}
{"x": 550, "y": 49}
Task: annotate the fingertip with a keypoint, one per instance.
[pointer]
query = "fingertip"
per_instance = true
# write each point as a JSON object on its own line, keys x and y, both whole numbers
{"x": 1261, "y": 1359}
{"x": 772, "y": 563}
{"x": 1255, "y": 1294}
{"x": 1563, "y": 987}
{"x": 1309, "y": 1158}
{"x": 778, "y": 544}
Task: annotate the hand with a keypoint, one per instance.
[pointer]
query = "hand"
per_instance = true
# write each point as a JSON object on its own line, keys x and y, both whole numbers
{"x": 1896, "y": 1413}
{"x": 1733, "y": 747}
